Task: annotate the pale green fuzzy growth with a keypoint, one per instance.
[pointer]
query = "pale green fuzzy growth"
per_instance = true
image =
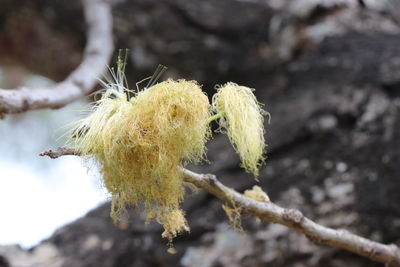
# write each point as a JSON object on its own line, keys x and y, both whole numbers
{"x": 140, "y": 144}
{"x": 242, "y": 118}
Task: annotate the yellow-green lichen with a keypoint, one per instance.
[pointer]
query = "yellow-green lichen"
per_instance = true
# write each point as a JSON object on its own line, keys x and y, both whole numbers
{"x": 240, "y": 114}
{"x": 256, "y": 193}
{"x": 139, "y": 143}
{"x": 233, "y": 212}
{"x": 141, "y": 140}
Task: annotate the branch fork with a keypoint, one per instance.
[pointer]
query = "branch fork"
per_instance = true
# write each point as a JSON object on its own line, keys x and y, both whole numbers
{"x": 81, "y": 81}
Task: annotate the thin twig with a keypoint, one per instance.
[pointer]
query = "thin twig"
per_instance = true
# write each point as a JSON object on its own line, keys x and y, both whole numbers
{"x": 81, "y": 81}
{"x": 61, "y": 151}
{"x": 216, "y": 117}
{"x": 291, "y": 218}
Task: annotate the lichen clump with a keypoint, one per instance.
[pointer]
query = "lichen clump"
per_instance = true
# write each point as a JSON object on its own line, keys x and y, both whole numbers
{"x": 140, "y": 143}
{"x": 142, "y": 139}
{"x": 256, "y": 193}
{"x": 242, "y": 119}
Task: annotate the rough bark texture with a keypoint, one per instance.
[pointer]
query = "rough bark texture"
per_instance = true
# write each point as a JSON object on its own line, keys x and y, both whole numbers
{"x": 333, "y": 140}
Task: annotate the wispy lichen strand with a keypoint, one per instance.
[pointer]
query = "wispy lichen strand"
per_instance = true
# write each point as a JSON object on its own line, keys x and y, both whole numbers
{"x": 243, "y": 122}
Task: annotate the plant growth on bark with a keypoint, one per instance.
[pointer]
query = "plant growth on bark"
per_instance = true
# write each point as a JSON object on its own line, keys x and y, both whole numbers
{"x": 141, "y": 139}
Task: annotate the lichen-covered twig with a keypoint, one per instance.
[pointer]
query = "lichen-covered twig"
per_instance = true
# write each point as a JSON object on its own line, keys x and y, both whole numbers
{"x": 81, "y": 81}
{"x": 294, "y": 219}
{"x": 291, "y": 218}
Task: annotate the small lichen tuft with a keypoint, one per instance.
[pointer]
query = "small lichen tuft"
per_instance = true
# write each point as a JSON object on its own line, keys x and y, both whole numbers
{"x": 256, "y": 193}
{"x": 174, "y": 222}
{"x": 234, "y": 215}
{"x": 244, "y": 123}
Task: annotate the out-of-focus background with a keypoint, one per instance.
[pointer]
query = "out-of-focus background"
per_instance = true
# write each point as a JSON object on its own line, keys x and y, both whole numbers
{"x": 49, "y": 193}
{"x": 327, "y": 71}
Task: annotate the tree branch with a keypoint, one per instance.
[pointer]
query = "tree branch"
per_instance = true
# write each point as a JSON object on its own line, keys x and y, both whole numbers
{"x": 61, "y": 151}
{"x": 81, "y": 81}
{"x": 291, "y": 218}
